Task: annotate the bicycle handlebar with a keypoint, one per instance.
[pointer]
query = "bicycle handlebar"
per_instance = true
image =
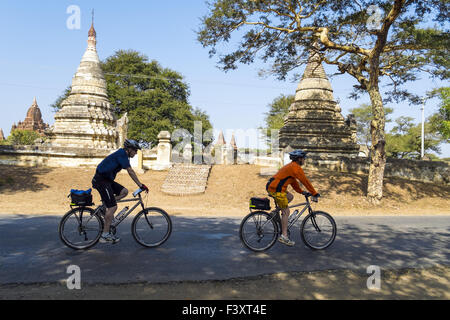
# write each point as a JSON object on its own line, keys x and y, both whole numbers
{"x": 308, "y": 194}
{"x": 138, "y": 192}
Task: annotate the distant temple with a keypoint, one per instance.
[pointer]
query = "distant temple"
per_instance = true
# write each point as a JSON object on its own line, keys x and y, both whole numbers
{"x": 86, "y": 118}
{"x": 33, "y": 121}
{"x": 2, "y": 136}
{"x": 233, "y": 144}
{"x": 220, "y": 139}
{"x": 314, "y": 122}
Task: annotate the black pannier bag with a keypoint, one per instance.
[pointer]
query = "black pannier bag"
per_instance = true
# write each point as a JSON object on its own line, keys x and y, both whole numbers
{"x": 260, "y": 203}
{"x": 81, "y": 197}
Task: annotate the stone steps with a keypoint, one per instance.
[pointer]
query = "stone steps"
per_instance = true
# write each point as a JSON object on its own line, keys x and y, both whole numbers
{"x": 186, "y": 179}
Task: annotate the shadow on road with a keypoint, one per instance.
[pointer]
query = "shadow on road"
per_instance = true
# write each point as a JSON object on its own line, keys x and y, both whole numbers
{"x": 210, "y": 249}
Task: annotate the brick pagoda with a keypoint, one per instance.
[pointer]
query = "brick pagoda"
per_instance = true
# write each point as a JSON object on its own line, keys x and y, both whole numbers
{"x": 33, "y": 120}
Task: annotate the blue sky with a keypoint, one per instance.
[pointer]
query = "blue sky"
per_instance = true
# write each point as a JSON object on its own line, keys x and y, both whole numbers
{"x": 40, "y": 54}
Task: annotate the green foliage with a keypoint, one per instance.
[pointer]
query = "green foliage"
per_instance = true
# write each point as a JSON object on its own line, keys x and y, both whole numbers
{"x": 279, "y": 109}
{"x": 281, "y": 33}
{"x": 405, "y": 139}
{"x": 441, "y": 120}
{"x": 155, "y": 98}
{"x": 57, "y": 104}
{"x": 363, "y": 116}
{"x": 22, "y": 137}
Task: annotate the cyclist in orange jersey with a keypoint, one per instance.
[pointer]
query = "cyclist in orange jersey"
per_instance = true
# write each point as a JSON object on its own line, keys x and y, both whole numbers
{"x": 277, "y": 185}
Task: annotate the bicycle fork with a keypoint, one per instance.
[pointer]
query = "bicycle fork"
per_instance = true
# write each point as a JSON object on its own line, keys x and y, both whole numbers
{"x": 313, "y": 220}
{"x": 148, "y": 221}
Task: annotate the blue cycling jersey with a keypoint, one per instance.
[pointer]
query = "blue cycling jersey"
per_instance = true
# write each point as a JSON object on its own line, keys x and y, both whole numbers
{"x": 113, "y": 163}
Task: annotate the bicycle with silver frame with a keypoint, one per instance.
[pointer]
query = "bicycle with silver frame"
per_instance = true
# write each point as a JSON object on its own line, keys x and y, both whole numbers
{"x": 82, "y": 226}
{"x": 260, "y": 229}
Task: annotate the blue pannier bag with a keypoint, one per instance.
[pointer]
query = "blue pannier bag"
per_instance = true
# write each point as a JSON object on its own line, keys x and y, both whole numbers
{"x": 81, "y": 197}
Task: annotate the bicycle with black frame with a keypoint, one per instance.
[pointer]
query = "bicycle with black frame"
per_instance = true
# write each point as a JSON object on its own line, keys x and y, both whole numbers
{"x": 82, "y": 227}
{"x": 260, "y": 229}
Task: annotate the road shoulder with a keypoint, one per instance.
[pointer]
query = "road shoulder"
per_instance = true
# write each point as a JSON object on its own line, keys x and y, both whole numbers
{"x": 428, "y": 283}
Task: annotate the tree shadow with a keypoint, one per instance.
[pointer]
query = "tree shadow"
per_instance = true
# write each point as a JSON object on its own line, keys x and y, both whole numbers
{"x": 201, "y": 249}
{"x": 404, "y": 189}
{"x": 19, "y": 179}
{"x": 340, "y": 182}
{"x": 396, "y": 189}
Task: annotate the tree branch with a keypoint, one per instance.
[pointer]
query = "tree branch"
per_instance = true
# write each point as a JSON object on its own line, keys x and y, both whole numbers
{"x": 331, "y": 45}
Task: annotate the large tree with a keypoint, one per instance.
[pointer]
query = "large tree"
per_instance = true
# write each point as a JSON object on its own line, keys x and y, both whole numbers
{"x": 368, "y": 40}
{"x": 363, "y": 116}
{"x": 155, "y": 98}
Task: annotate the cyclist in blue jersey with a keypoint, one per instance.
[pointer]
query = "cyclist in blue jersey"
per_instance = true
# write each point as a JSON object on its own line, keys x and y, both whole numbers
{"x": 111, "y": 191}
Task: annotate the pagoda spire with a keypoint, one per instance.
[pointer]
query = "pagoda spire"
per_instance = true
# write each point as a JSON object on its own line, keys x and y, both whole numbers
{"x": 221, "y": 139}
{"x": 86, "y": 119}
{"x": 89, "y": 78}
{"x": 92, "y": 34}
{"x": 233, "y": 143}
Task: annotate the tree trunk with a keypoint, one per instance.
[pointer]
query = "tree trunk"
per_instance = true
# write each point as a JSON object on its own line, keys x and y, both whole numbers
{"x": 377, "y": 150}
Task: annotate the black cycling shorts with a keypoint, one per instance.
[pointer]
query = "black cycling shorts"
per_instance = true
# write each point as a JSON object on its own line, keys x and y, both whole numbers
{"x": 108, "y": 190}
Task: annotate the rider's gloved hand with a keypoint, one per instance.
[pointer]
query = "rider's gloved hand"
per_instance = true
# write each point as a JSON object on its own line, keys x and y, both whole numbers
{"x": 306, "y": 194}
{"x": 316, "y": 197}
{"x": 144, "y": 188}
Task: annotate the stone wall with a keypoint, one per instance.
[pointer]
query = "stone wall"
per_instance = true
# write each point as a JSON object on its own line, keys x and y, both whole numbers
{"x": 32, "y": 156}
{"x": 150, "y": 157}
{"x": 426, "y": 171}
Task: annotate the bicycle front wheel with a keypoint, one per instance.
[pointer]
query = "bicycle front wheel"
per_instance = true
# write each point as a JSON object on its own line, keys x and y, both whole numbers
{"x": 80, "y": 228}
{"x": 151, "y": 227}
{"x": 258, "y": 231}
{"x": 318, "y": 230}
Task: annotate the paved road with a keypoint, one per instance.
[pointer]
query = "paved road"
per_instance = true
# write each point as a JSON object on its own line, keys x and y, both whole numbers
{"x": 209, "y": 248}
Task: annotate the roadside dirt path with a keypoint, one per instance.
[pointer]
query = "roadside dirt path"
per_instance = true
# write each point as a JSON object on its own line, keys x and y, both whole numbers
{"x": 44, "y": 191}
{"x": 428, "y": 284}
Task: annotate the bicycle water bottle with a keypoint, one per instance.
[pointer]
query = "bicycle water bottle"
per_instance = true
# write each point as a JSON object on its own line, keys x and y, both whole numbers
{"x": 292, "y": 216}
{"x": 121, "y": 214}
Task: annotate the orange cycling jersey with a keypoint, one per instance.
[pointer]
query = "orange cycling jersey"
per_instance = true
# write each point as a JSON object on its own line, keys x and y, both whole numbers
{"x": 288, "y": 175}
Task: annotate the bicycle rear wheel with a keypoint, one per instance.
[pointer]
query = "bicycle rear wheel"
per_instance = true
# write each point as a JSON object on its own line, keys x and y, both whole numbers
{"x": 258, "y": 231}
{"x": 80, "y": 228}
{"x": 318, "y": 230}
{"x": 151, "y": 227}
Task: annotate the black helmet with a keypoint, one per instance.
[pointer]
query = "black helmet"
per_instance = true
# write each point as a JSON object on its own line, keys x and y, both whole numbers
{"x": 131, "y": 144}
{"x": 296, "y": 154}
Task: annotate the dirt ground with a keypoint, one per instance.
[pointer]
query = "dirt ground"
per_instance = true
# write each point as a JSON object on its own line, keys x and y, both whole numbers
{"x": 423, "y": 284}
{"x": 43, "y": 191}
